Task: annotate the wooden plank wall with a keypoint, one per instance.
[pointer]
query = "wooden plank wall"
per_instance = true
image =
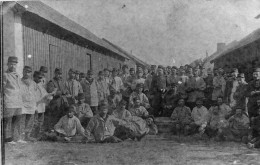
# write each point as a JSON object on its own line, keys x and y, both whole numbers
{"x": 51, "y": 51}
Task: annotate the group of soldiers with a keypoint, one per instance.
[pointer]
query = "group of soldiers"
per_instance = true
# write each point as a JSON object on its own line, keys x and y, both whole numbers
{"x": 191, "y": 96}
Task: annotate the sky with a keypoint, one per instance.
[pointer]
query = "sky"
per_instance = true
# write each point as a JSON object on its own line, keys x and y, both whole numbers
{"x": 167, "y": 32}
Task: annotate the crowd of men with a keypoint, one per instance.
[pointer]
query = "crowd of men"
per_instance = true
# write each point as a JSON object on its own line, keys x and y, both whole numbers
{"x": 120, "y": 104}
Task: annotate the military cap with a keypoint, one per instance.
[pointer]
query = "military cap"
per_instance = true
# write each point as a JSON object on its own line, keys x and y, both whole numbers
{"x": 241, "y": 75}
{"x": 82, "y": 74}
{"x": 200, "y": 99}
{"x": 256, "y": 69}
{"x": 13, "y": 59}
{"x": 160, "y": 66}
{"x": 103, "y": 103}
{"x": 43, "y": 69}
{"x": 169, "y": 67}
{"x": 38, "y": 74}
{"x": 132, "y": 69}
{"x": 153, "y": 66}
{"x": 174, "y": 67}
{"x": 100, "y": 73}
{"x": 140, "y": 85}
{"x": 140, "y": 70}
{"x": 27, "y": 69}
{"x": 81, "y": 96}
{"x": 106, "y": 69}
{"x": 125, "y": 66}
{"x": 58, "y": 70}
{"x": 136, "y": 99}
{"x": 72, "y": 70}
{"x": 123, "y": 102}
{"x": 197, "y": 68}
{"x": 114, "y": 70}
{"x": 77, "y": 72}
{"x": 90, "y": 72}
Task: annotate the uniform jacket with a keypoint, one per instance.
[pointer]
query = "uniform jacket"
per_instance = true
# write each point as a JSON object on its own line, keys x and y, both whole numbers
{"x": 199, "y": 115}
{"x": 56, "y": 83}
{"x": 29, "y": 96}
{"x": 102, "y": 128}
{"x": 12, "y": 90}
{"x": 91, "y": 92}
{"x": 73, "y": 87}
{"x": 144, "y": 100}
{"x": 103, "y": 89}
{"x": 83, "y": 110}
{"x": 219, "y": 86}
{"x": 69, "y": 126}
{"x": 198, "y": 86}
{"x": 140, "y": 111}
{"x": 42, "y": 98}
{"x": 182, "y": 115}
{"x": 158, "y": 82}
{"x": 122, "y": 114}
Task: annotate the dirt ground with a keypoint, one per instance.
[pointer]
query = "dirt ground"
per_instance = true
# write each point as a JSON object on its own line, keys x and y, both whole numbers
{"x": 151, "y": 150}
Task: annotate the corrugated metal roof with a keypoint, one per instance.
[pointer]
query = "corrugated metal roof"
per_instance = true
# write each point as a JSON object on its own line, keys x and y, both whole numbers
{"x": 252, "y": 37}
{"x": 134, "y": 58}
{"x": 50, "y": 14}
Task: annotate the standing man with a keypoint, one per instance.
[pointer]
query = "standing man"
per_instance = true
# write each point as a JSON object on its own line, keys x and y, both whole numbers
{"x": 117, "y": 82}
{"x": 173, "y": 78}
{"x": 146, "y": 72}
{"x": 139, "y": 79}
{"x": 219, "y": 86}
{"x": 253, "y": 92}
{"x": 158, "y": 88}
{"x": 91, "y": 92}
{"x": 102, "y": 86}
{"x": 44, "y": 70}
{"x": 231, "y": 85}
{"x": 73, "y": 87}
{"x": 107, "y": 76}
{"x": 209, "y": 88}
{"x": 240, "y": 93}
{"x": 29, "y": 97}
{"x": 59, "y": 102}
{"x": 12, "y": 102}
{"x": 148, "y": 80}
{"x": 195, "y": 88}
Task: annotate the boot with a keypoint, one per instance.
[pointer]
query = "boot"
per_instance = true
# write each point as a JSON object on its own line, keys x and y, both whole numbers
{"x": 29, "y": 138}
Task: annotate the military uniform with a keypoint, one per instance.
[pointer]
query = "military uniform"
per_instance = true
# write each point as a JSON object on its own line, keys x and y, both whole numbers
{"x": 158, "y": 87}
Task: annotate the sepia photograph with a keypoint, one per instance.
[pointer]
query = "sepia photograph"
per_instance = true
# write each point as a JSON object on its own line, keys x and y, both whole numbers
{"x": 130, "y": 82}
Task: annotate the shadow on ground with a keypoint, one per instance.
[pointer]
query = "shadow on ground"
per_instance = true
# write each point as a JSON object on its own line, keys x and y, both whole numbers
{"x": 161, "y": 149}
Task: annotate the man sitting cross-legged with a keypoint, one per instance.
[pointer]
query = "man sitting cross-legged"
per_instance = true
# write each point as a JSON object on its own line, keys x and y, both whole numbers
{"x": 238, "y": 127}
{"x": 67, "y": 129}
{"x": 103, "y": 126}
{"x": 215, "y": 122}
{"x": 181, "y": 116}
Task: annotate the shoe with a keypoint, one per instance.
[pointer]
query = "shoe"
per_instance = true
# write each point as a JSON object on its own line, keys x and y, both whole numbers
{"x": 21, "y": 141}
{"x": 11, "y": 142}
{"x": 141, "y": 137}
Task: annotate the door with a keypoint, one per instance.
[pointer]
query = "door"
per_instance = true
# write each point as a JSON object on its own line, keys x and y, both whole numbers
{"x": 55, "y": 59}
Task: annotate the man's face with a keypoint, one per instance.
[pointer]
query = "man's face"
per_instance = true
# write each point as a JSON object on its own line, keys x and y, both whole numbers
{"x": 77, "y": 76}
{"x": 240, "y": 80}
{"x": 90, "y": 76}
{"x": 137, "y": 102}
{"x": 215, "y": 110}
{"x": 220, "y": 101}
{"x": 27, "y": 74}
{"x": 70, "y": 113}
{"x": 114, "y": 73}
{"x": 160, "y": 71}
{"x": 233, "y": 74}
{"x": 256, "y": 75}
{"x": 71, "y": 74}
{"x": 58, "y": 75}
{"x": 37, "y": 79}
{"x": 132, "y": 72}
{"x": 140, "y": 74}
{"x": 174, "y": 71}
{"x": 239, "y": 112}
{"x": 140, "y": 90}
{"x": 145, "y": 71}
{"x": 103, "y": 110}
{"x": 258, "y": 103}
{"x": 196, "y": 72}
{"x": 12, "y": 66}
{"x": 101, "y": 76}
{"x": 81, "y": 101}
{"x": 199, "y": 103}
{"x": 190, "y": 70}
{"x": 122, "y": 106}
{"x": 125, "y": 70}
{"x": 181, "y": 102}
{"x": 153, "y": 69}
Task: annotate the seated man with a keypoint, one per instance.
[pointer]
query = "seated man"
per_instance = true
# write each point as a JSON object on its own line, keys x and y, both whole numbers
{"x": 139, "y": 93}
{"x": 181, "y": 116}
{"x": 68, "y": 128}
{"x": 238, "y": 128}
{"x": 225, "y": 109}
{"x": 254, "y": 140}
{"x": 121, "y": 112}
{"x": 137, "y": 109}
{"x": 215, "y": 122}
{"x": 83, "y": 111}
{"x": 199, "y": 115}
{"x": 113, "y": 101}
{"x": 103, "y": 126}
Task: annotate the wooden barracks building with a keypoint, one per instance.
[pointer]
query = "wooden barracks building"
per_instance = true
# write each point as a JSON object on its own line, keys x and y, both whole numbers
{"x": 39, "y": 35}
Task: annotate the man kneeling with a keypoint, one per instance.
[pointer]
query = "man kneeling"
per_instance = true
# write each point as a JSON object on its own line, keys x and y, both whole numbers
{"x": 103, "y": 126}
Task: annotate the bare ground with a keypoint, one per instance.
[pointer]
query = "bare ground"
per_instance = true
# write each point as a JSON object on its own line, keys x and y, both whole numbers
{"x": 151, "y": 150}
